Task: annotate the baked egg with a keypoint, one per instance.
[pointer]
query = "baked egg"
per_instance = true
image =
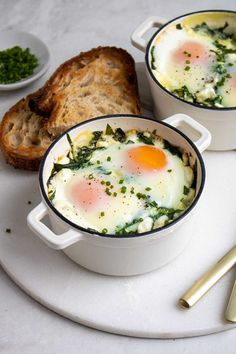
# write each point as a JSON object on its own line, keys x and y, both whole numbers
{"x": 195, "y": 59}
{"x": 121, "y": 182}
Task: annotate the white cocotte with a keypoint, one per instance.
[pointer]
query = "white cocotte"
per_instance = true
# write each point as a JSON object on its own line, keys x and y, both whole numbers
{"x": 120, "y": 255}
{"x": 221, "y": 122}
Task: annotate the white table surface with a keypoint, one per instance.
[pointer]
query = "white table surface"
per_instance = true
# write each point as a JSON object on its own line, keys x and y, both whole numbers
{"x": 69, "y": 27}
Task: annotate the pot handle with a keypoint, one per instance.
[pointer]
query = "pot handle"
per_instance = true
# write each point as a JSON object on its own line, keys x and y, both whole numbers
{"x": 204, "y": 139}
{"x": 136, "y": 37}
{"x": 54, "y": 241}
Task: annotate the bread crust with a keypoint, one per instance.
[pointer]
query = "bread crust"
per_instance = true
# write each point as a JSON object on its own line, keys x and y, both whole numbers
{"x": 50, "y": 100}
{"x": 30, "y": 126}
{"x": 18, "y": 137}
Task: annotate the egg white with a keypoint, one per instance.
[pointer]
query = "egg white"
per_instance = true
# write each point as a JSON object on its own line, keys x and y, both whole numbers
{"x": 166, "y": 188}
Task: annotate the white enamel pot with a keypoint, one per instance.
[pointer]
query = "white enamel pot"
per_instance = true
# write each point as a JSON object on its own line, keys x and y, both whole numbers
{"x": 113, "y": 254}
{"x": 221, "y": 122}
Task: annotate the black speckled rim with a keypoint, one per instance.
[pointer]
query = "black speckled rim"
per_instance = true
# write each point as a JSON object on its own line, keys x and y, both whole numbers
{"x": 129, "y": 116}
{"x": 155, "y": 79}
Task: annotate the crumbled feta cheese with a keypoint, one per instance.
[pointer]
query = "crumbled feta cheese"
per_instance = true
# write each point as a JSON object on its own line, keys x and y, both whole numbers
{"x": 207, "y": 92}
{"x": 160, "y": 221}
{"x": 101, "y": 143}
{"x": 64, "y": 160}
{"x": 231, "y": 57}
{"x": 147, "y": 134}
{"x": 145, "y": 225}
{"x": 188, "y": 174}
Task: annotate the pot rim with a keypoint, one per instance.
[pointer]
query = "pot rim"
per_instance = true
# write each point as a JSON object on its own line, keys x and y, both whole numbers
{"x": 218, "y": 109}
{"x": 96, "y": 233}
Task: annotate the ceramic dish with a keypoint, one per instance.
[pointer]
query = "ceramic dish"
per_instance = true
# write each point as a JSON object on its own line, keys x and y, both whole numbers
{"x": 119, "y": 254}
{"x": 11, "y": 38}
{"x": 217, "y": 120}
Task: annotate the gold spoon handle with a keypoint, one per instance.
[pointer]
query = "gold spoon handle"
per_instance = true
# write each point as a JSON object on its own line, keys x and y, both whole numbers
{"x": 208, "y": 279}
{"x": 230, "y": 313}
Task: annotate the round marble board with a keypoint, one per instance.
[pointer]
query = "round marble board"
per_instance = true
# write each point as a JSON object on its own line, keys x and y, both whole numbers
{"x": 140, "y": 306}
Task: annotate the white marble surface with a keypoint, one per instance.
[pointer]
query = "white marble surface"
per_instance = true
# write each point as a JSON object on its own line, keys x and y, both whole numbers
{"x": 69, "y": 27}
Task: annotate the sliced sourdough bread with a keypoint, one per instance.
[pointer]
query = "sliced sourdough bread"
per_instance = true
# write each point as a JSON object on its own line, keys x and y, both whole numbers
{"x": 23, "y": 139}
{"x": 99, "y": 82}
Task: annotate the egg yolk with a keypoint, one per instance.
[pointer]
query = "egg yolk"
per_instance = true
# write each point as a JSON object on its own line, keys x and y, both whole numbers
{"x": 190, "y": 51}
{"x": 88, "y": 194}
{"x": 145, "y": 159}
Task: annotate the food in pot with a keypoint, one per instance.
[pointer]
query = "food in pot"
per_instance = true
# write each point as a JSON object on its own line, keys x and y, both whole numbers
{"x": 197, "y": 62}
{"x": 121, "y": 182}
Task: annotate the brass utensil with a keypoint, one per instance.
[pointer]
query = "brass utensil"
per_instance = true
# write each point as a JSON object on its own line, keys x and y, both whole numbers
{"x": 230, "y": 313}
{"x": 208, "y": 279}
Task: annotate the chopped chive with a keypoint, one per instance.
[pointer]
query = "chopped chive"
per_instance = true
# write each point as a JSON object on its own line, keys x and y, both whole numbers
{"x": 109, "y": 158}
{"x": 90, "y": 176}
{"x": 148, "y": 189}
{"x": 141, "y": 195}
{"x": 103, "y": 182}
{"x": 186, "y": 190}
{"x": 109, "y": 130}
{"x": 132, "y": 190}
{"x": 121, "y": 181}
{"x": 187, "y": 61}
{"x": 123, "y": 189}
{"x": 169, "y": 170}
{"x": 114, "y": 194}
{"x": 107, "y": 191}
{"x": 102, "y": 213}
{"x": 98, "y": 162}
{"x": 187, "y": 68}
{"x": 153, "y": 204}
{"x": 104, "y": 231}
{"x": 108, "y": 183}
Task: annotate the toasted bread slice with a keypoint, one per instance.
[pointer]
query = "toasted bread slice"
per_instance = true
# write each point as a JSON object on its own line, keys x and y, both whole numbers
{"x": 23, "y": 138}
{"x": 99, "y": 82}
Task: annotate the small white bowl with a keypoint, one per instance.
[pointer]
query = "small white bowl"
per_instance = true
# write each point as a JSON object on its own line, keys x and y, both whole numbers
{"x": 12, "y": 38}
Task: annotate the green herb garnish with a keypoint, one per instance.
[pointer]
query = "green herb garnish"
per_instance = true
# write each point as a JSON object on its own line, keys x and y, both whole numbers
{"x": 16, "y": 64}
{"x": 123, "y": 189}
{"x": 213, "y": 32}
{"x": 119, "y": 135}
{"x": 109, "y": 130}
{"x": 141, "y": 195}
{"x": 184, "y": 93}
{"x": 51, "y": 195}
{"x": 174, "y": 150}
{"x": 153, "y": 66}
{"x": 128, "y": 228}
{"x": 148, "y": 189}
{"x": 186, "y": 190}
{"x": 145, "y": 139}
{"x": 187, "y": 68}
